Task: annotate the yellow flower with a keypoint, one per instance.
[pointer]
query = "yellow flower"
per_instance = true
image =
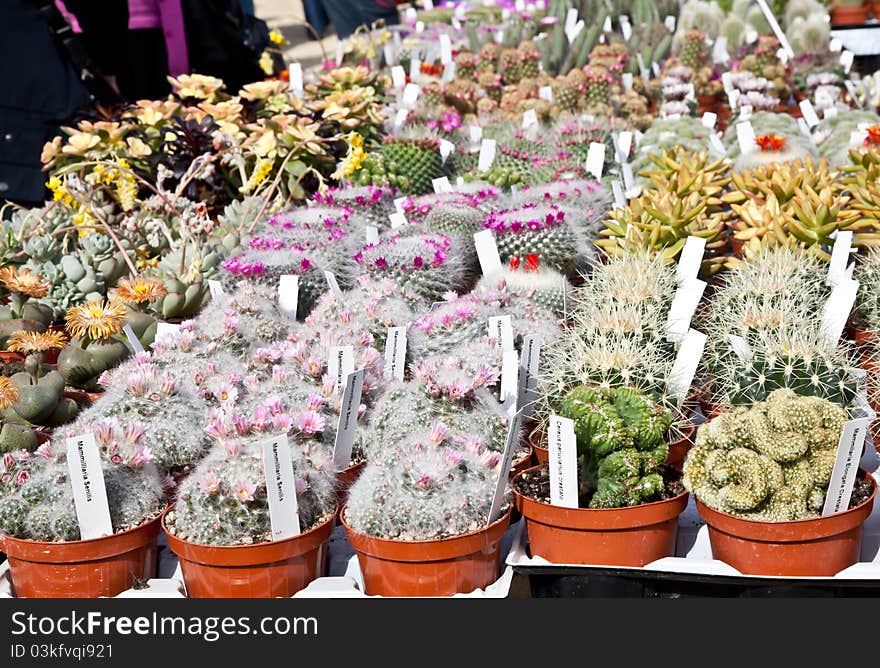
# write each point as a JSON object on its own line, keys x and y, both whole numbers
{"x": 263, "y": 90}
{"x": 138, "y": 148}
{"x": 353, "y": 159}
{"x": 267, "y": 64}
{"x": 199, "y": 86}
{"x": 51, "y": 150}
{"x": 261, "y": 171}
{"x": 95, "y": 320}
{"x": 266, "y": 145}
{"x": 79, "y": 143}
{"x": 24, "y": 282}
{"x": 276, "y": 37}
{"x": 9, "y": 394}
{"x": 140, "y": 290}
{"x": 35, "y": 342}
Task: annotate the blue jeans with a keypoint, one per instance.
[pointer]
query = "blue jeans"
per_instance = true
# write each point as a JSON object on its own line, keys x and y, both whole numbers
{"x": 347, "y": 15}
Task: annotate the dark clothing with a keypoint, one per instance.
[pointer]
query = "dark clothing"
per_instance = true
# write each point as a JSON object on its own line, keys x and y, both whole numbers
{"x": 41, "y": 91}
{"x": 348, "y": 15}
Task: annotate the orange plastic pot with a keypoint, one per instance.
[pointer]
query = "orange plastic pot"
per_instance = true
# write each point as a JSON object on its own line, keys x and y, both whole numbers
{"x": 82, "y": 568}
{"x": 455, "y": 565}
{"x": 521, "y": 465}
{"x": 9, "y": 356}
{"x": 863, "y": 337}
{"x": 630, "y": 536}
{"x": 678, "y": 449}
{"x": 820, "y": 547}
{"x": 263, "y": 570}
{"x": 849, "y": 16}
{"x": 345, "y": 479}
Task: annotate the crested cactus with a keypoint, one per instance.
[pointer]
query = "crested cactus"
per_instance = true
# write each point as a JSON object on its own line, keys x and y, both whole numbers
{"x": 771, "y": 462}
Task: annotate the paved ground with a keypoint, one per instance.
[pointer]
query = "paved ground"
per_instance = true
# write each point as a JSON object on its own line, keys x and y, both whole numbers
{"x": 288, "y": 17}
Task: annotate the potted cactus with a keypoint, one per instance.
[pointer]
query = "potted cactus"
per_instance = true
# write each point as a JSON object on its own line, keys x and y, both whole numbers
{"x": 220, "y": 527}
{"x": 418, "y": 518}
{"x": 629, "y": 501}
{"x": 22, "y": 314}
{"x": 39, "y": 531}
{"x": 760, "y": 476}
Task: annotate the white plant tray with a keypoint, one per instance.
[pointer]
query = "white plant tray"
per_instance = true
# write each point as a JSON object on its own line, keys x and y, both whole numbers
{"x": 693, "y": 553}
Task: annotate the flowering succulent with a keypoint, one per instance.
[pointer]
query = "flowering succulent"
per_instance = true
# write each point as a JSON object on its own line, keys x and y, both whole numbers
{"x": 22, "y": 286}
{"x": 93, "y": 348}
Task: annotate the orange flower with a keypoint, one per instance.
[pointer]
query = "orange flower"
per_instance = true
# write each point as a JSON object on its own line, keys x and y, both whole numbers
{"x": 96, "y": 320}
{"x": 770, "y": 143}
{"x": 873, "y": 138}
{"x": 9, "y": 393}
{"x": 24, "y": 282}
{"x": 35, "y": 342}
{"x": 140, "y": 290}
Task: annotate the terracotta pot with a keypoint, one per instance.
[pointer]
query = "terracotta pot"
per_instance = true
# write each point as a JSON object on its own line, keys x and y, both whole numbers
{"x": 80, "y": 397}
{"x": 82, "y": 568}
{"x": 345, "y": 479}
{"x": 863, "y": 337}
{"x": 459, "y": 564}
{"x": 263, "y": 570}
{"x": 875, "y": 9}
{"x": 9, "y": 356}
{"x": 541, "y": 454}
{"x": 94, "y": 396}
{"x": 537, "y": 438}
{"x": 631, "y": 536}
{"x": 710, "y": 410}
{"x": 706, "y": 103}
{"x": 849, "y": 16}
{"x": 524, "y": 463}
{"x": 678, "y": 449}
{"x": 820, "y": 547}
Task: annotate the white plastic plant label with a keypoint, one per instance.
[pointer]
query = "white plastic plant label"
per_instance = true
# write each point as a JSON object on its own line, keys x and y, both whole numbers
{"x": 809, "y": 113}
{"x": 447, "y": 148}
{"x": 372, "y": 234}
{"x": 626, "y": 79}
{"x": 562, "y": 446}
{"x": 774, "y": 26}
{"x": 681, "y": 310}
{"x": 288, "y": 295}
{"x": 829, "y": 112}
{"x": 348, "y": 416}
{"x": 782, "y": 54}
{"x": 487, "y": 154}
{"x": 596, "y": 159}
{"x": 340, "y": 363}
{"x": 510, "y": 447}
{"x": 625, "y": 27}
{"x": 857, "y": 137}
{"x": 669, "y": 22}
{"x": 388, "y": 52}
{"x": 727, "y": 82}
{"x": 395, "y": 353}
{"x": 441, "y": 185}
{"x": 487, "y": 253}
{"x": 398, "y": 77}
{"x": 398, "y": 203}
{"x": 411, "y": 94}
{"x": 164, "y": 330}
{"x": 216, "y": 289}
{"x": 617, "y": 191}
{"x": 295, "y": 77}
{"x": 475, "y": 132}
{"x": 400, "y": 117}
{"x": 655, "y": 68}
{"x": 445, "y": 50}
{"x": 719, "y": 50}
{"x": 606, "y": 26}
{"x": 685, "y": 366}
{"x": 89, "y": 492}
{"x": 530, "y": 118}
{"x": 420, "y": 27}
{"x": 846, "y": 59}
{"x": 509, "y": 381}
{"x": 745, "y": 112}
{"x": 846, "y": 466}
{"x": 751, "y": 35}
{"x": 546, "y": 93}
{"x": 804, "y": 128}
{"x": 500, "y": 328}
{"x": 690, "y": 259}
{"x": 835, "y": 45}
{"x": 410, "y": 15}
{"x": 499, "y": 37}
{"x": 716, "y": 145}
{"x": 745, "y": 135}
{"x": 624, "y": 145}
{"x": 330, "y": 277}
{"x": 839, "y": 257}
{"x": 641, "y": 61}
{"x": 415, "y": 67}
{"x": 428, "y": 5}
{"x": 709, "y": 119}
{"x": 135, "y": 342}
{"x": 626, "y": 171}
{"x": 837, "y": 310}
{"x": 740, "y": 346}
{"x": 527, "y": 381}
{"x": 280, "y": 487}
{"x": 448, "y": 73}
{"x": 339, "y": 54}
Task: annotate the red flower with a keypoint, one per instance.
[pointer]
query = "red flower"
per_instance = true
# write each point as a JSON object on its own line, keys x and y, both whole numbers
{"x": 532, "y": 260}
{"x": 770, "y": 143}
{"x": 514, "y": 262}
{"x": 873, "y": 138}
{"x": 418, "y": 261}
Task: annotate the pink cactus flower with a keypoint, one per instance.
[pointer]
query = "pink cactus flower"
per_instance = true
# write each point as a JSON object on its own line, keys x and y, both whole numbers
{"x": 209, "y": 483}
{"x": 244, "y": 491}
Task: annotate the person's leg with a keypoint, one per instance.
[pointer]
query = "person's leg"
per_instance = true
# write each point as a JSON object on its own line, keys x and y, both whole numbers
{"x": 144, "y": 72}
{"x": 347, "y": 15}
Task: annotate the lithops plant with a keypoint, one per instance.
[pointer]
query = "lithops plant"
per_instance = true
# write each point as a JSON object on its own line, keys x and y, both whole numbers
{"x": 23, "y": 285}
{"x": 93, "y": 348}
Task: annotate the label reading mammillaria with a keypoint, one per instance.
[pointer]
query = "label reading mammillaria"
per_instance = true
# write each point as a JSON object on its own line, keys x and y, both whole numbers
{"x": 527, "y": 381}
{"x": 395, "y": 353}
{"x": 510, "y": 448}
{"x": 135, "y": 342}
{"x": 280, "y": 488}
{"x": 500, "y": 328}
{"x": 562, "y": 446}
{"x": 288, "y": 294}
{"x": 89, "y": 492}
{"x": 487, "y": 252}
{"x": 340, "y": 364}
{"x": 846, "y": 466}
{"x": 685, "y": 366}
{"x": 348, "y": 416}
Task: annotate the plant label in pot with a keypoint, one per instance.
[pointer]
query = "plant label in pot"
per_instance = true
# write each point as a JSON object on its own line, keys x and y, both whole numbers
{"x": 89, "y": 491}
{"x": 348, "y": 415}
{"x": 340, "y": 363}
{"x": 280, "y": 488}
{"x": 685, "y": 366}
{"x": 562, "y": 446}
{"x": 529, "y": 364}
{"x": 487, "y": 253}
{"x": 288, "y": 294}
{"x": 395, "y": 353}
{"x": 846, "y": 465}
{"x": 506, "y": 462}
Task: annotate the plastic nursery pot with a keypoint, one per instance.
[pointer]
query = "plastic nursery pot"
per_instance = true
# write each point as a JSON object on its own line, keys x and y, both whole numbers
{"x": 454, "y": 565}
{"x": 678, "y": 449}
{"x": 863, "y": 337}
{"x": 80, "y": 397}
{"x": 849, "y": 16}
{"x": 261, "y": 570}
{"x": 629, "y": 536}
{"x": 537, "y": 439}
{"x": 524, "y": 462}
{"x": 9, "y": 356}
{"x": 820, "y": 547}
{"x": 82, "y": 568}
{"x": 345, "y": 479}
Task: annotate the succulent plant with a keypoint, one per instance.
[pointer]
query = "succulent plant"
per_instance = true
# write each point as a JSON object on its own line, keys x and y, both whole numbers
{"x": 620, "y": 444}
{"x": 35, "y": 488}
{"x": 224, "y": 502}
{"x": 21, "y": 314}
{"x": 771, "y": 461}
{"x": 93, "y": 348}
